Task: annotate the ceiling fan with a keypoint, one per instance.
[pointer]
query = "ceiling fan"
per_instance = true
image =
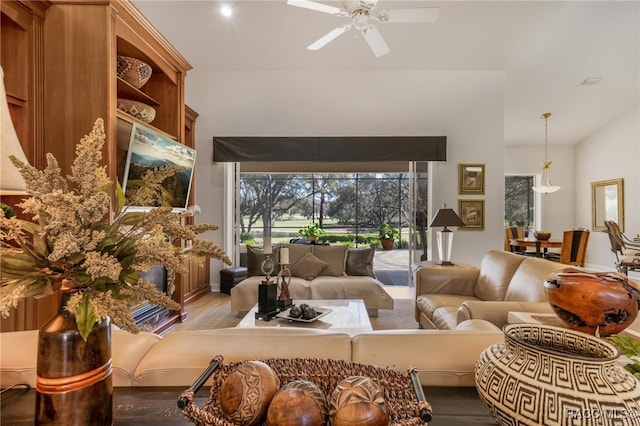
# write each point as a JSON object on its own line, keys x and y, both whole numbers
{"x": 361, "y": 13}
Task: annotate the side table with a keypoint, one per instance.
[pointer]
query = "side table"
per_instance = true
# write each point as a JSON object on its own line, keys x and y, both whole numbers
{"x": 446, "y": 279}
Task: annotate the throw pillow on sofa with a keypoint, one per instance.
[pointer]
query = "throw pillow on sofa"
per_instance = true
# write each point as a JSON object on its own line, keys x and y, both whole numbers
{"x": 360, "y": 262}
{"x": 296, "y": 251}
{"x": 255, "y": 259}
{"x": 308, "y": 267}
{"x": 335, "y": 256}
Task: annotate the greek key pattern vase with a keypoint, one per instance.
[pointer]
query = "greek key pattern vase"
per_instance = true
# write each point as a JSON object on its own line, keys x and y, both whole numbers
{"x": 545, "y": 375}
{"x": 74, "y": 382}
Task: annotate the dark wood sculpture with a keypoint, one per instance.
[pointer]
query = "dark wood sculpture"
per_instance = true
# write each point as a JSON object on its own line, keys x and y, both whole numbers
{"x": 298, "y": 403}
{"x": 596, "y": 303}
{"x": 246, "y": 392}
{"x": 360, "y": 401}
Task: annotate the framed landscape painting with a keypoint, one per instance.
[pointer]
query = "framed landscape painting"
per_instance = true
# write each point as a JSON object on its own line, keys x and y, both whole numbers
{"x": 472, "y": 214}
{"x": 150, "y": 149}
{"x": 471, "y": 179}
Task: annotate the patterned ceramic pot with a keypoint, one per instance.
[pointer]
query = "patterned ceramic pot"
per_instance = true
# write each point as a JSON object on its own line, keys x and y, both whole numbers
{"x": 544, "y": 375}
{"x": 133, "y": 71}
{"x": 137, "y": 109}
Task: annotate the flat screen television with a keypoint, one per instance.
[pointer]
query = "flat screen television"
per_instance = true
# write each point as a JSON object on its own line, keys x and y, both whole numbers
{"x": 147, "y": 149}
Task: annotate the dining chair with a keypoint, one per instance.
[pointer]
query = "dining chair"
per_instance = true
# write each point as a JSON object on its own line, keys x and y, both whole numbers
{"x": 574, "y": 248}
{"x": 512, "y": 233}
{"x": 626, "y": 251}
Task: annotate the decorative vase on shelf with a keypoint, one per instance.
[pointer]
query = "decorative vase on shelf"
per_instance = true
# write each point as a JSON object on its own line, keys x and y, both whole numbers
{"x": 545, "y": 375}
{"x": 74, "y": 382}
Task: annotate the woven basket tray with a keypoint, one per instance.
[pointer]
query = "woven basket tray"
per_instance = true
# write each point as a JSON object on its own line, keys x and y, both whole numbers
{"x": 400, "y": 396}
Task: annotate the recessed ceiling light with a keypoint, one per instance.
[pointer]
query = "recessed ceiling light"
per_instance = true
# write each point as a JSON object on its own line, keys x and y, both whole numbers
{"x": 226, "y": 10}
{"x": 591, "y": 81}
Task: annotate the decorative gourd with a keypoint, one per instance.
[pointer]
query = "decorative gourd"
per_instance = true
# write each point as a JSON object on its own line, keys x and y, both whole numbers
{"x": 358, "y": 401}
{"x": 246, "y": 393}
{"x": 298, "y": 403}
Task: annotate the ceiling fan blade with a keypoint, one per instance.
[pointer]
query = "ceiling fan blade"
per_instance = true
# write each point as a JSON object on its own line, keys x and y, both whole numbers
{"x": 417, "y": 15}
{"x": 325, "y": 8}
{"x": 324, "y": 40}
{"x": 375, "y": 40}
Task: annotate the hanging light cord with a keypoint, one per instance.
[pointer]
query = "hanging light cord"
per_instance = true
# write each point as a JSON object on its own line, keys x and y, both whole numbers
{"x": 546, "y": 115}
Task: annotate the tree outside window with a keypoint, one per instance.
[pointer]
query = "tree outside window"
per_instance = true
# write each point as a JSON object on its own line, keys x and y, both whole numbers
{"x": 519, "y": 201}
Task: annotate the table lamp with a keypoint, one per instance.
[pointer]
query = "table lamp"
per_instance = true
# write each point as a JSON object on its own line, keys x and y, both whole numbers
{"x": 445, "y": 217}
{"x": 11, "y": 182}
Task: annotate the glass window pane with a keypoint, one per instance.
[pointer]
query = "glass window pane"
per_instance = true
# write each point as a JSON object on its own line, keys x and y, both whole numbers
{"x": 519, "y": 201}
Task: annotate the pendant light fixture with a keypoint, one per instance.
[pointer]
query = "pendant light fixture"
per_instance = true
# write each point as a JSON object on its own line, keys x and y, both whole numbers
{"x": 545, "y": 186}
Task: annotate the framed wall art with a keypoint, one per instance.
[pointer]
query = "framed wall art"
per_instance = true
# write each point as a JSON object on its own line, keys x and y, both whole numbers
{"x": 149, "y": 149}
{"x": 472, "y": 214}
{"x": 607, "y": 203}
{"x": 471, "y": 179}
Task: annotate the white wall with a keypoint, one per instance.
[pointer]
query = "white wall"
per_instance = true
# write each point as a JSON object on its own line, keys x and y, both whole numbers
{"x": 349, "y": 103}
{"x": 556, "y": 209}
{"x": 610, "y": 153}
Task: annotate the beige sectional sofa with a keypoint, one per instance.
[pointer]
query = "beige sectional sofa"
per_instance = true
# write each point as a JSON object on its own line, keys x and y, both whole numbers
{"x": 504, "y": 282}
{"x": 318, "y": 272}
{"x": 443, "y": 358}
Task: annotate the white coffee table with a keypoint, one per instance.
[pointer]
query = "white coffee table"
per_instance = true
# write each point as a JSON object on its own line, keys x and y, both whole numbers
{"x": 347, "y": 316}
{"x": 529, "y": 317}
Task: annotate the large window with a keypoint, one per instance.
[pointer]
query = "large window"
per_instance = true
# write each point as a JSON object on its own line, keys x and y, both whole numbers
{"x": 519, "y": 201}
{"x": 348, "y": 206}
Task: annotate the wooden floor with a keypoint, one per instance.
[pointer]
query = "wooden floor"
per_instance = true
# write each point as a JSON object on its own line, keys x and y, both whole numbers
{"x": 148, "y": 406}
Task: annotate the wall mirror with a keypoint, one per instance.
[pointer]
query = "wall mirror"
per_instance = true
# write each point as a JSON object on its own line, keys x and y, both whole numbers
{"x": 607, "y": 203}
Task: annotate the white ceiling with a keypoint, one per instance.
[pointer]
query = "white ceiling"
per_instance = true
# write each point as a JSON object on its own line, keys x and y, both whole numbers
{"x": 546, "y": 49}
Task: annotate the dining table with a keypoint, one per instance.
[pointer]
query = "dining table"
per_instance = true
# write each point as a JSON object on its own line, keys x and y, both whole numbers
{"x": 541, "y": 246}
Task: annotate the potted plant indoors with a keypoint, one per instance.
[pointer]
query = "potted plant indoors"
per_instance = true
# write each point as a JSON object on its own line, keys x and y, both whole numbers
{"x": 387, "y": 235}
{"x": 311, "y": 232}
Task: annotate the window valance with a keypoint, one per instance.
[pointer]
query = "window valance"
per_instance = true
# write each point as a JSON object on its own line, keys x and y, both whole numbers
{"x": 330, "y": 149}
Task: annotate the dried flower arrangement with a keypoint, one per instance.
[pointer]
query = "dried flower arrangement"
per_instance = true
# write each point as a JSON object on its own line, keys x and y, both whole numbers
{"x": 72, "y": 237}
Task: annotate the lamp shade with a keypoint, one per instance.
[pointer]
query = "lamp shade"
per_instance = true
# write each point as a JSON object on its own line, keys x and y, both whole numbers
{"x": 446, "y": 217}
{"x": 11, "y": 182}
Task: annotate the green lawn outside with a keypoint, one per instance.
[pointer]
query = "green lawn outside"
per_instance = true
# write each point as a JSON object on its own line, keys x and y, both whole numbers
{"x": 286, "y": 229}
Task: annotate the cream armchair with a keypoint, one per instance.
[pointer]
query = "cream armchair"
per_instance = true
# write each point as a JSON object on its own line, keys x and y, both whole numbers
{"x": 447, "y": 296}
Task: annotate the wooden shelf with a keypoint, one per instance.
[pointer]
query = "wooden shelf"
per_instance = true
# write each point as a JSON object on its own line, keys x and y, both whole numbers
{"x": 63, "y": 54}
{"x": 127, "y": 91}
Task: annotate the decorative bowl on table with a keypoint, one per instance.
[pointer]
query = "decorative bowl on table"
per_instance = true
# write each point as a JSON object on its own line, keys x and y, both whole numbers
{"x": 137, "y": 109}
{"x": 133, "y": 71}
{"x": 598, "y": 303}
{"x": 542, "y": 235}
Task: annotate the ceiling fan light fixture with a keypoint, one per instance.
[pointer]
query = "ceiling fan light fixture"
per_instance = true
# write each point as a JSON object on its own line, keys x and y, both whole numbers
{"x": 360, "y": 13}
{"x": 546, "y": 187}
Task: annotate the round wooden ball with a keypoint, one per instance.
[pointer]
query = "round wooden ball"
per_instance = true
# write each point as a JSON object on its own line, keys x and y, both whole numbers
{"x": 298, "y": 403}
{"x": 246, "y": 393}
{"x": 358, "y": 401}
